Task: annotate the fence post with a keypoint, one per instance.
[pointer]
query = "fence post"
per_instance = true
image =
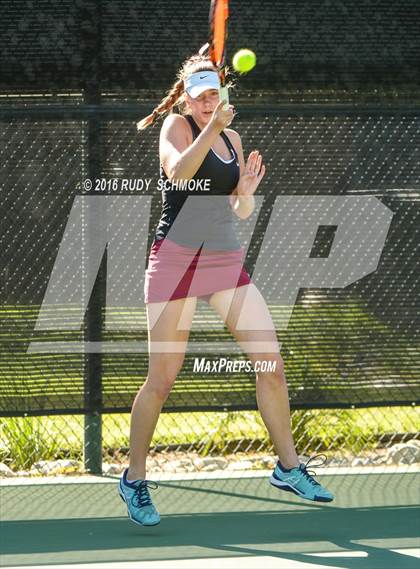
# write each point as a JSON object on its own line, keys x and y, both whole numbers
{"x": 94, "y": 325}
{"x": 92, "y": 448}
{"x": 90, "y": 16}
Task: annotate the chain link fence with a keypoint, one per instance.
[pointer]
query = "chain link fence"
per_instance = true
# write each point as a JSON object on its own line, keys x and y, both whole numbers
{"x": 203, "y": 442}
{"x": 343, "y": 347}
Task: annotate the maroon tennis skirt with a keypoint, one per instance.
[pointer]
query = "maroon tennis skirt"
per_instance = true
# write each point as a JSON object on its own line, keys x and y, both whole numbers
{"x": 175, "y": 271}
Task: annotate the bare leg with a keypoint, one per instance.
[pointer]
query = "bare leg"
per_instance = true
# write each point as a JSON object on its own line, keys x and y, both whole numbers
{"x": 273, "y": 403}
{"x": 271, "y": 389}
{"x": 163, "y": 369}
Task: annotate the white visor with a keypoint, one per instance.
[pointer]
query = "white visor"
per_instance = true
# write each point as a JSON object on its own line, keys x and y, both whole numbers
{"x": 200, "y": 81}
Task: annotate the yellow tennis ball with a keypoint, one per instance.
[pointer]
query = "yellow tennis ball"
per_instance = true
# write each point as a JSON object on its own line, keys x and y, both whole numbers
{"x": 244, "y": 60}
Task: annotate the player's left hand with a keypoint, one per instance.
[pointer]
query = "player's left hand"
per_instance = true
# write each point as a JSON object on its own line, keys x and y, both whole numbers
{"x": 251, "y": 178}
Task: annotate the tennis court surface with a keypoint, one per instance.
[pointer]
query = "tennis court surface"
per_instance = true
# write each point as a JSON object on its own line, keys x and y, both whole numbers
{"x": 216, "y": 522}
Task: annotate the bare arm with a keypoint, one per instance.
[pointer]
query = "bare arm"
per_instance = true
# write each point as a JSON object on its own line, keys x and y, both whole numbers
{"x": 181, "y": 159}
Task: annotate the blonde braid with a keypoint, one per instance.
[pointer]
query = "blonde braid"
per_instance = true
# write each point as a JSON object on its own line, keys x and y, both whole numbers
{"x": 164, "y": 106}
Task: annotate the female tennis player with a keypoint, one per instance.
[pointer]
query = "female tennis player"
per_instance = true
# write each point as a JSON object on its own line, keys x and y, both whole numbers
{"x": 196, "y": 254}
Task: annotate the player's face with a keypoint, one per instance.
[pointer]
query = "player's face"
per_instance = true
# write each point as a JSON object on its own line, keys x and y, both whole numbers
{"x": 202, "y": 107}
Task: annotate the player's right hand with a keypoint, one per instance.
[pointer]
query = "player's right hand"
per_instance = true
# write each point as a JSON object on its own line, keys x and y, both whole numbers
{"x": 222, "y": 118}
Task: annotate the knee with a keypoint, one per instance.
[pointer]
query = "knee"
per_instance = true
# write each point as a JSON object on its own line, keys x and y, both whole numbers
{"x": 160, "y": 379}
{"x": 160, "y": 388}
{"x": 272, "y": 373}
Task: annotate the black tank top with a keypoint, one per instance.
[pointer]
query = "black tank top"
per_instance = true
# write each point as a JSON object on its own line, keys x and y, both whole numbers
{"x": 205, "y": 216}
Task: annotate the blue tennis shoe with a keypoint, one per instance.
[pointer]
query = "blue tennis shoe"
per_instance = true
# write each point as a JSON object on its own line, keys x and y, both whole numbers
{"x": 137, "y": 498}
{"x": 301, "y": 482}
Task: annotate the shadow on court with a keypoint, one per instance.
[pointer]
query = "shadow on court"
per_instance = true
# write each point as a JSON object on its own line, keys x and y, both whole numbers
{"x": 196, "y": 524}
{"x": 224, "y": 535}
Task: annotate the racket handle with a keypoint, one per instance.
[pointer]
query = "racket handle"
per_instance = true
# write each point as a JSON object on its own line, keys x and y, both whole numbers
{"x": 224, "y": 96}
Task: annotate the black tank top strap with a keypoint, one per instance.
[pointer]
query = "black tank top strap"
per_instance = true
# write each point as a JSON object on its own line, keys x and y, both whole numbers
{"x": 196, "y": 132}
{"x": 228, "y": 143}
{"x": 194, "y": 126}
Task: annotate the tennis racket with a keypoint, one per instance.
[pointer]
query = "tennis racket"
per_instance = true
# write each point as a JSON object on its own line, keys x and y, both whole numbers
{"x": 219, "y": 14}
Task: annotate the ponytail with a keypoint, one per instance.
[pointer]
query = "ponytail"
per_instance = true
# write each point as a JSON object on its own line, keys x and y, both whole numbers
{"x": 165, "y": 106}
